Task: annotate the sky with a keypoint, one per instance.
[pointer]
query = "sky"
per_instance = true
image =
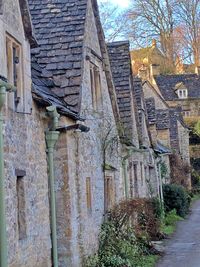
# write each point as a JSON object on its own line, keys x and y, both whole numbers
{"x": 120, "y": 3}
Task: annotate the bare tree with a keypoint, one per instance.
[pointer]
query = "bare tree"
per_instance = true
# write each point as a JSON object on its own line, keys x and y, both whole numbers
{"x": 155, "y": 19}
{"x": 114, "y": 21}
{"x": 188, "y": 13}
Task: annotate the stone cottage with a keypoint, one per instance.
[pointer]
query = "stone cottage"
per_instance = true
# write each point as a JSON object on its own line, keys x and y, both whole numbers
{"x": 72, "y": 54}
{"x": 70, "y": 72}
{"x": 167, "y": 123}
{"x": 26, "y": 179}
{"x": 140, "y": 166}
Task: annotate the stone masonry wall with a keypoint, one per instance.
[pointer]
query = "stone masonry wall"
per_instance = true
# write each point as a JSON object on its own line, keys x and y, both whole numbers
{"x": 80, "y": 156}
{"x": 25, "y": 150}
{"x": 25, "y": 154}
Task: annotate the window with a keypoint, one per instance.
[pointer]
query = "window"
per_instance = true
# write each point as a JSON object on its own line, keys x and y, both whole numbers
{"x": 135, "y": 181}
{"x": 21, "y": 204}
{"x": 109, "y": 192}
{"x": 142, "y": 173}
{"x": 88, "y": 194}
{"x": 95, "y": 80}
{"x": 186, "y": 113}
{"x": 182, "y": 93}
{"x": 14, "y": 67}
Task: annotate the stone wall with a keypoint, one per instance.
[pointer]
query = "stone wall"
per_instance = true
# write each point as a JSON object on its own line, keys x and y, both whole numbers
{"x": 80, "y": 156}
{"x": 28, "y": 229}
{"x": 25, "y": 151}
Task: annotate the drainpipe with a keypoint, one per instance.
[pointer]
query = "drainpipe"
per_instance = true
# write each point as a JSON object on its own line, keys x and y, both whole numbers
{"x": 3, "y": 238}
{"x": 51, "y": 138}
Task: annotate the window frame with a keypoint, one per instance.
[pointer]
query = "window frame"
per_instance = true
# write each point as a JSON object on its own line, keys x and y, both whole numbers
{"x": 182, "y": 93}
{"x": 109, "y": 192}
{"x": 88, "y": 195}
{"x": 96, "y": 87}
{"x": 11, "y": 43}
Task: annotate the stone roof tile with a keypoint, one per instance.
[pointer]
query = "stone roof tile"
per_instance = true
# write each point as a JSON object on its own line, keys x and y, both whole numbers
{"x": 59, "y": 28}
{"x": 121, "y": 72}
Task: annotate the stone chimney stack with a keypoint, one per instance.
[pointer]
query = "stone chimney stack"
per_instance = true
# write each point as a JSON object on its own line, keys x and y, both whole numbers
{"x": 197, "y": 70}
{"x": 154, "y": 43}
{"x": 143, "y": 73}
{"x": 154, "y": 70}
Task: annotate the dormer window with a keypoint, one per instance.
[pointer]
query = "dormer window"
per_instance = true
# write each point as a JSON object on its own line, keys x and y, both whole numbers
{"x": 182, "y": 93}
{"x": 14, "y": 67}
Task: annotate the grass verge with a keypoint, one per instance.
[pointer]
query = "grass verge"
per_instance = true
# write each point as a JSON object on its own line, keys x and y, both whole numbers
{"x": 168, "y": 226}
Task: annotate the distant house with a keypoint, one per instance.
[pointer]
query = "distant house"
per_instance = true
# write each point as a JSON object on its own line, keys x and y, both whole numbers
{"x": 144, "y": 57}
{"x": 167, "y": 122}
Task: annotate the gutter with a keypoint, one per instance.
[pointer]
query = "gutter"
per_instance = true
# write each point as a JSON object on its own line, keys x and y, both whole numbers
{"x": 4, "y": 87}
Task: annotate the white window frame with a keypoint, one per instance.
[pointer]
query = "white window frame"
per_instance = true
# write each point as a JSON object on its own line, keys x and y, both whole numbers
{"x": 182, "y": 93}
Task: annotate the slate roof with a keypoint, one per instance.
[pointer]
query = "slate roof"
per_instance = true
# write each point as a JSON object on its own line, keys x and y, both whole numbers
{"x": 162, "y": 119}
{"x": 162, "y": 149}
{"x": 168, "y": 83}
{"x": 151, "y": 110}
{"x": 121, "y": 71}
{"x": 139, "y": 97}
{"x": 59, "y": 27}
{"x": 42, "y": 91}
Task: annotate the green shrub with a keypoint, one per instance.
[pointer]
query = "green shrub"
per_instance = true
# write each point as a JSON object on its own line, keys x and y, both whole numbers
{"x": 172, "y": 218}
{"x": 176, "y": 197}
{"x": 124, "y": 238}
{"x": 169, "y": 223}
{"x": 195, "y": 182}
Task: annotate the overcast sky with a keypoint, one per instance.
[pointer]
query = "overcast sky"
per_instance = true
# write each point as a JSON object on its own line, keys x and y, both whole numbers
{"x": 121, "y": 3}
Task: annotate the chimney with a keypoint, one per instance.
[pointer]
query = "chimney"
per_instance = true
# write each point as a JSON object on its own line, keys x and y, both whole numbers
{"x": 154, "y": 43}
{"x": 197, "y": 70}
{"x": 154, "y": 70}
{"x": 143, "y": 73}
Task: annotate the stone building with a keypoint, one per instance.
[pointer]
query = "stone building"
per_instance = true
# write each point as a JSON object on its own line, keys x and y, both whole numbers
{"x": 26, "y": 179}
{"x": 140, "y": 166}
{"x": 72, "y": 54}
{"x": 145, "y": 57}
{"x": 70, "y": 71}
{"x": 167, "y": 123}
{"x": 71, "y": 119}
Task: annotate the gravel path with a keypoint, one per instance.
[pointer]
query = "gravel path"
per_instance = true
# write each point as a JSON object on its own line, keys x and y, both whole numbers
{"x": 183, "y": 250}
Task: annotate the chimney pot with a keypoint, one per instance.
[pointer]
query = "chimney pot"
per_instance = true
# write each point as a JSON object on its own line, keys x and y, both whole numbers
{"x": 154, "y": 43}
{"x": 143, "y": 73}
{"x": 197, "y": 70}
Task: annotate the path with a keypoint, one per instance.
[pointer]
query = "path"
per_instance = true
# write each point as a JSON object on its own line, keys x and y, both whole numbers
{"x": 183, "y": 250}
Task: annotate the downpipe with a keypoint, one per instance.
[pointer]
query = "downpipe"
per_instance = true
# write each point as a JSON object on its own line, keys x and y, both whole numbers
{"x": 51, "y": 138}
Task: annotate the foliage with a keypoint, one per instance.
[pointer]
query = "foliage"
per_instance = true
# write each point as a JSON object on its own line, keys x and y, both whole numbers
{"x": 143, "y": 214}
{"x": 172, "y": 218}
{"x": 163, "y": 169}
{"x": 176, "y": 197}
{"x": 180, "y": 171}
{"x": 195, "y": 182}
{"x": 169, "y": 224}
{"x": 124, "y": 238}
